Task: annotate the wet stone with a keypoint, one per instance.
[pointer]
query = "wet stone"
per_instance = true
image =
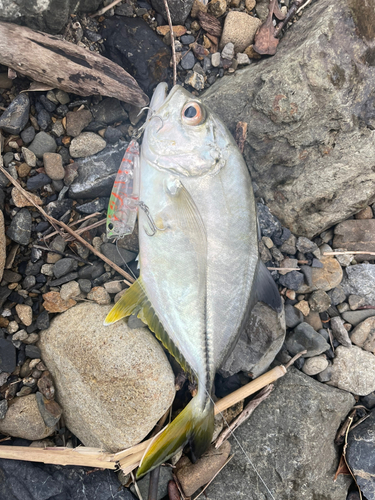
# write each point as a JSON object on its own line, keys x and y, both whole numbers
{"x": 28, "y": 134}
{"x": 64, "y": 266}
{"x": 116, "y": 254}
{"x": 43, "y": 143}
{"x": 337, "y": 295}
{"x": 91, "y": 272}
{"x": 38, "y": 181}
{"x": 93, "y": 206}
{"x": 7, "y": 356}
{"x": 293, "y": 316}
{"x": 304, "y": 337}
{"x": 319, "y": 301}
{"x": 15, "y": 117}
{"x": 292, "y": 280}
{"x": 20, "y": 227}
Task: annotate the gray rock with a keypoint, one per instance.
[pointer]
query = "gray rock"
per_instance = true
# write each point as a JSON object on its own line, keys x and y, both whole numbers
{"x": 360, "y": 455}
{"x": 92, "y": 272}
{"x": 134, "y": 322}
{"x": 363, "y": 335}
{"x": 97, "y": 173}
{"x": 305, "y": 245}
{"x": 85, "y": 285}
{"x": 282, "y": 93}
{"x": 64, "y": 266}
{"x": 179, "y": 9}
{"x": 109, "y": 110}
{"x": 20, "y": 227}
{"x": 116, "y": 254}
{"x": 293, "y": 280}
{"x": 86, "y": 144}
{"x": 93, "y": 206}
{"x": 28, "y": 134}
{"x": 316, "y": 364}
{"x": 24, "y": 420}
{"x": 76, "y": 121}
{"x": 325, "y": 375}
{"x": 7, "y": 356}
{"x": 38, "y": 181}
{"x": 355, "y": 317}
{"x": 43, "y": 143}
{"x": 301, "y": 465}
{"x": 293, "y": 316}
{"x": 228, "y": 51}
{"x": 188, "y": 60}
{"x": 319, "y": 301}
{"x": 7, "y": 159}
{"x": 258, "y": 344}
{"x": 360, "y": 280}
{"x": 337, "y": 295}
{"x": 355, "y": 301}
{"x": 269, "y": 225}
{"x": 2, "y": 244}
{"x": 112, "y": 383}
{"x": 49, "y": 419}
{"x": 3, "y": 408}
{"x": 144, "y": 483}
{"x": 15, "y": 117}
{"x": 339, "y": 331}
{"x": 353, "y": 370}
{"x": 304, "y": 337}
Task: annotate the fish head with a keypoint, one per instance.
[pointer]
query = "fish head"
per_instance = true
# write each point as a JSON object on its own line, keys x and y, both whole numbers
{"x": 183, "y": 136}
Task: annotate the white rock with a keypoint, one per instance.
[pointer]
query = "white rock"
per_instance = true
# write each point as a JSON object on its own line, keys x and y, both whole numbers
{"x": 243, "y": 59}
{"x": 315, "y": 365}
{"x": 215, "y": 59}
{"x": 70, "y": 290}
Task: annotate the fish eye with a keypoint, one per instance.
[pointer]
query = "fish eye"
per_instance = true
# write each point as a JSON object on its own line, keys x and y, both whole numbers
{"x": 110, "y": 226}
{"x": 193, "y": 114}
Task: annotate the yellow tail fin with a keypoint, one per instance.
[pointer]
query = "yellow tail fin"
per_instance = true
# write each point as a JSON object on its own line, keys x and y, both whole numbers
{"x": 192, "y": 425}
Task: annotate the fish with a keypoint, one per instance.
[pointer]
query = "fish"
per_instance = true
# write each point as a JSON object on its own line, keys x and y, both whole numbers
{"x": 200, "y": 271}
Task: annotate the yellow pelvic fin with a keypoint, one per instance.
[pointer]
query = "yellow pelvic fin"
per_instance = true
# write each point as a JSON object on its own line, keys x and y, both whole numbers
{"x": 192, "y": 425}
{"x": 129, "y": 303}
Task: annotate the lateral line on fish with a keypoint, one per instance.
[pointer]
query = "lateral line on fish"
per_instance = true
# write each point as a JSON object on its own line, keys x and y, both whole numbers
{"x": 241, "y": 447}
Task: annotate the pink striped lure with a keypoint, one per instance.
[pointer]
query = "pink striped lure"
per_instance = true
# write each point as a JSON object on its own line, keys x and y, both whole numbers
{"x": 124, "y": 200}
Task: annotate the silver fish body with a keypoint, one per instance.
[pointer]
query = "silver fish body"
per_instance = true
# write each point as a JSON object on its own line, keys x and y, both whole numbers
{"x": 200, "y": 270}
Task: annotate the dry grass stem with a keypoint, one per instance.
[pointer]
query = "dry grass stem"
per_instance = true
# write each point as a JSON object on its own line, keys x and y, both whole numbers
{"x": 105, "y": 9}
{"x": 208, "y": 484}
{"x": 56, "y": 223}
{"x": 353, "y": 252}
{"x": 48, "y": 236}
{"x": 283, "y": 268}
{"x": 172, "y": 42}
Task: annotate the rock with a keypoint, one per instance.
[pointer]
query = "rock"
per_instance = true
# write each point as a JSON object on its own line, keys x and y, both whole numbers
{"x": 109, "y": 111}
{"x": 32, "y": 351}
{"x": 111, "y": 372}
{"x": 258, "y": 344}
{"x": 250, "y": 4}
{"x": 325, "y": 375}
{"x": 337, "y": 295}
{"x": 360, "y": 280}
{"x": 304, "y": 337}
{"x": 179, "y": 9}
{"x": 307, "y": 414}
{"x": 356, "y": 301}
{"x": 355, "y": 317}
{"x": 363, "y": 335}
{"x": 366, "y": 213}
{"x": 29, "y": 157}
{"x": 25, "y": 314}
{"x": 293, "y": 316}
{"x": 50, "y": 410}
{"x": 315, "y": 365}
{"x": 97, "y": 173}
{"x": 313, "y": 319}
{"x": 20, "y": 227}
{"x": 301, "y": 166}
{"x": 113, "y": 286}
{"x": 42, "y": 321}
{"x": 143, "y": 484}
{"x": 324, "y": 278}
{"x": 86, "y": 144}
{"x": 20, "y": 201}
{"x": 7, "y": 356}
{"x": 243, "y": 59}
{"x": 293, "y": 280}
{"x": 15, "y": 117}
{"x": 43, "y": 143}
{"x": 305, "y": 245}
{"x": 76, "y": 121}
{"x": 188, "y": 60}
{"x": 53, "y": 166}
{"x": 59, "y": 207}
{"x": 356, "y": 235}
{"x": 64, "y": 266}
{"x": 92, "y": 272}
{"x": 195, "y": 80}
{"x": 117, "y": 255}
{"x": 54, "y": 303}
{"x": 228, "y": 51}
{"x": 125, "y": 38}
{"x": 353, "y": 370}
{"x": 360, "y": 455}
{"x": 217, "y": 7}
{"x": 239, "y": 28}
{"x": 216, "y": 59}
{"x": 134, "y": 322}
{"x": 28, "y": 134}
{"x": 99, "y": 295}
{"x": 319, "y": 301}
{"x": 344, "y": 259}
{"x": 38, "y": 181}
{"x": 93, "y": 206}
{"x": 58, "y": 482}
{"x": 24, "y": 420}
{"x": 339, "y": 331}
{"x": 2, "y": 245}
{"x": 303, "y": 306}
{"x": 193, "y": 476}
{"x": 70, "y": 290}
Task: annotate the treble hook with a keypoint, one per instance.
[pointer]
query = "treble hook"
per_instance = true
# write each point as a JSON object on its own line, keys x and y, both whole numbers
{"x": 153, "y": 226}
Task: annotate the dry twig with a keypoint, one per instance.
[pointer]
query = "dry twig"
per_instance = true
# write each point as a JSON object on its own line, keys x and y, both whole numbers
{"x": 105, "y": 9}
{"x": 172, "y": 42}
{"x": 353, "y": 252}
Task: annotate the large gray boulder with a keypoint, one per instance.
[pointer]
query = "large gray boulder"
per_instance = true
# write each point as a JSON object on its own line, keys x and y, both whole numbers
{"x": 290, "y": 440}
{"x": 310, "y": 111}
{"x": 113, "y": 383}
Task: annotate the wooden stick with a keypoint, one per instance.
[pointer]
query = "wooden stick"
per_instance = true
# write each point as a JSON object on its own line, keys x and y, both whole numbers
{"x": 105, "y": 9}
{"x": 74, "y": 223}
{"x": 283, "y": 268}
{"x": 48, "y": 59}
{"x": 353, "y": 252}
{"x": 56, "y": 222}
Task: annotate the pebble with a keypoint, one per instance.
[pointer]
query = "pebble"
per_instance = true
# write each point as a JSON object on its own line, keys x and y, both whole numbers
{"x": 86, "y": 144}
{"x": 76, "y": 121}
{"x": 85, "y": 285}
{"x": 187, "y": 39}
{"x": 303, "y": 306}
{"x": 341, "y": 308}
{"x": 134, "y": 322}
{"x": 25, "y": 314}
{"x": 15, "y": 117}
{"x": 32, "y": 351}
{"x": 113, "y": 286}
{"x": 58, "y": 128}
{"x": 363, "y": 335}
{"x": 58, "y": 208}
{"x": 12, "y": 327}
{"x": 355, "y": 317}
{"x": 7, "y": 356}
{"x": 42, "y": 321}
{"x": 23, "y": 170}
{"x": 305, "y": 245}
{"x": 315, "y": 365}
{"x": 70, "y": 290}
{"x": 188, "y": 60}
{"x": 37, "y": 181}
{"x": 109, "y": 111}
{"x": 64, "y": 279}
{"x": 325, "y": 375}
{"x": 116, "y": 254}
{"x": 250, "y": 4}
{"x": 293, "y": 316}
{"x": 195, "y": 80}
{"x": 314, "y": 320}
{"x": 217, "y": 7}
{"x": 53, "y": 166}
{"x": 216, "y": 59}
{"x": 62, "y": 97}
{"x": 64, "y": 266}
{"x": 353, "y": 370}
{"x": 325, "y": 278}
{"x": 29, "y": 157}
{"x": 7, "y": 159}
{"x": 228, "y": 51}
{"x": 112, "y": 134}
{"x": 50, "y": 410}
{"x": 99, "y": 295}
{"x": 43, "y": 143}
{"x": 337, "y": 295}
{"x": 366, "y": 213}
{"x": 92, "y": 272}
{"x": 339, "y": 331}
{"x": 293, "y": 280}
{"x": 28, "y": 134}
{"x": 193, "y": 476}
{"x": 20, "y": 227}
{"x": 304, "y": 337}
{"x": 93, "y": 206}
{"x": 243, "y": 59}
{"x": 239, "y": 28}
{"x": 53, "y": 302}
{"x": 344, "y": 260}
{"x": 356, "y": 235}
{"x": 20, "y": 201}
{"x": 319, "y": 301}
{"x": 3, "y": 408}
{"x": 44, "y": 119}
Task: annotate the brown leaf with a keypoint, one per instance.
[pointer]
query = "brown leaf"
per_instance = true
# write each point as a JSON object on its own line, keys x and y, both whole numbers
{"x": 265, "y": 41}
{"x": 342, "y": 468}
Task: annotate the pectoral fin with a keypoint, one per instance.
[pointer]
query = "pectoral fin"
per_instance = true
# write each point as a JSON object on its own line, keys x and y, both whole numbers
{"x": 265, "y": 288}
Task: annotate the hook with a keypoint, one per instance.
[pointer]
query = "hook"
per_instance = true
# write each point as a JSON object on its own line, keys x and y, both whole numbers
{"x": 153, "y": 226}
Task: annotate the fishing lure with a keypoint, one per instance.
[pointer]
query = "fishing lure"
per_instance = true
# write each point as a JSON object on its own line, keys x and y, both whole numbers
{"x": 124, "y": 200}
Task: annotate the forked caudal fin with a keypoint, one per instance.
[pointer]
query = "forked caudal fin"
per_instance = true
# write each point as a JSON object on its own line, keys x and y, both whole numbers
{"x": 193, "y": 425}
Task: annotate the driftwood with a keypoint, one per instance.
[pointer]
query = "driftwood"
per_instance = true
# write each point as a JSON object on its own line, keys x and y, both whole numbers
{"x": 48, "y": 59}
